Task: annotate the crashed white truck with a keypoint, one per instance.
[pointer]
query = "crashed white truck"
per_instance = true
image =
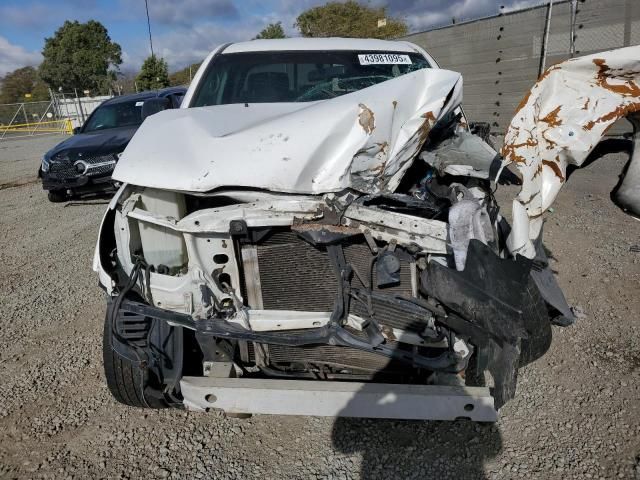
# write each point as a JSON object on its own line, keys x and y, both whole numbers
{"x": 314, "y": 232}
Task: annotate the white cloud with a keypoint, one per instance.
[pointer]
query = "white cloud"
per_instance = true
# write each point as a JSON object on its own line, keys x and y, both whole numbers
{"x": 521, "y": 4}
{"x": 197, "y": 26}
{"x": 183, "y": 47}
{"x": 171, "y": 12}
{"x": 14, "y": 56}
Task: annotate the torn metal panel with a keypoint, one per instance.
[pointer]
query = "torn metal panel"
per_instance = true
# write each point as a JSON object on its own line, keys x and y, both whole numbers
{"x": 558, "y": 123}
{"x": 430, "y": 235}
{"x": 363, "y": 140}
{"x": 463, "y": 154}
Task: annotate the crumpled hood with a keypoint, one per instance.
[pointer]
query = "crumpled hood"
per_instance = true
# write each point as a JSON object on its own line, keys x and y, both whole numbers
{"x": 363, "y": 140}
{"x": 105, "y": 141}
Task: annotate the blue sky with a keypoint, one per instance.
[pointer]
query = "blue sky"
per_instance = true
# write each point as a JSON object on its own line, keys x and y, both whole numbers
{"x": 184, "y": 31}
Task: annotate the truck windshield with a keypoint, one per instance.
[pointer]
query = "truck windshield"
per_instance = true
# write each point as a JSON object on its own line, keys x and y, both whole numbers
{"x": 276, "y": 77}
{"x": 123, "y": 114}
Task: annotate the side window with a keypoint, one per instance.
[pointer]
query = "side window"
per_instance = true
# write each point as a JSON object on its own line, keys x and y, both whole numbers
{"x": 128, "y": 114}
{"x": 212, "y": 88}
{"x": 176, "y": 99}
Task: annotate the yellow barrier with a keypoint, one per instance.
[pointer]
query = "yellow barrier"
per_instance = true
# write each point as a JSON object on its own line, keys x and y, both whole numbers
{"x": 63, "y": 126}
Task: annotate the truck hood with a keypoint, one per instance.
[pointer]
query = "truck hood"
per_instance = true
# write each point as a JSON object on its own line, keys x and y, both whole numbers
{"x": 363, "y": 140}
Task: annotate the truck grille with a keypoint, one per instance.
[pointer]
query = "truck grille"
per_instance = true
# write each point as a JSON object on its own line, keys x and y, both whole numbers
{"x": 96, "y": 165}
{"x": 298, "y": 276}
{"x": 295, "y": 275}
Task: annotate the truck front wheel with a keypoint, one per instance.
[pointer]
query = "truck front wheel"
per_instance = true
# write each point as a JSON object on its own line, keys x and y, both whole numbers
{"x": 128, "y": 382}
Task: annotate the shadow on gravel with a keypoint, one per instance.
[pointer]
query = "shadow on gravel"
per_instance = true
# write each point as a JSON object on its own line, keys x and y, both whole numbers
{"x": 606, "y": 147}
{"x": 100, "y": 198}
{"x": 418, "y": 449}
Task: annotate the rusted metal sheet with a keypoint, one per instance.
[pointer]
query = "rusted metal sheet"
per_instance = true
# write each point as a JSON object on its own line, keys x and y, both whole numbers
{"x": 558, "y": 123}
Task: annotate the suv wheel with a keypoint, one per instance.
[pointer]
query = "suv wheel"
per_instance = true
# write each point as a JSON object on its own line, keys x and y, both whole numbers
{"x": 57, "y": 196}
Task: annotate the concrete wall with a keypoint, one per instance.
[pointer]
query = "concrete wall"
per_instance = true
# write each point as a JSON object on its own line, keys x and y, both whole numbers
{"x": 500, "y": 56}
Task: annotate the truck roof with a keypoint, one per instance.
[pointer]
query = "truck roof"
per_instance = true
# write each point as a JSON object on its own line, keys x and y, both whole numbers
{"x": 334, "y": 43}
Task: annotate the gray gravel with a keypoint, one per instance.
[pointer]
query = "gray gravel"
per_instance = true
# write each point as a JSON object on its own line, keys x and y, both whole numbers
{"x": 576, "y": 413}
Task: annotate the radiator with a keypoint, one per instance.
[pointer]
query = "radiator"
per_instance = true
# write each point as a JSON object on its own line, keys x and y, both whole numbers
{"x": 295, "y": 275}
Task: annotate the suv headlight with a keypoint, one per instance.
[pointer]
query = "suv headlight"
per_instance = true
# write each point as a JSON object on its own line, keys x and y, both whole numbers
{"x": 45, "y": 164}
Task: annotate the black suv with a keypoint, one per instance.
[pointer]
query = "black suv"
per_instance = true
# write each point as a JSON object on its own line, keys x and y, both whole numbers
{"x": 84, "y": 162}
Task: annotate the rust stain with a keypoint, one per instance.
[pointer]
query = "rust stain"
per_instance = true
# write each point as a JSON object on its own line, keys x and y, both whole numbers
{"x": 532, "y": 197}
{"x": 586, "y": 104}
{"x": 367, "y": 119}
{"x": 318, "y": 227}
{"x": 378, "y": 169}
{"x": 509, "y": 150}
{"x": 387, "y": 332}
{"x": 551, "y": 143}
{"x": 555, "y": 167}
{"x": 430, "y": 117}
{"x": 384, "y": 147}
{"x": 629, "y": 88}
{"x": 619, "y": 112}
{"x": 547, "y": 72}
{"x": 551, "y": 118}
{"x": 522, "y": 103}
{"x": 425, "y": 128}
{"x": 395, "y": 104}
{"x": 536, "y": 173}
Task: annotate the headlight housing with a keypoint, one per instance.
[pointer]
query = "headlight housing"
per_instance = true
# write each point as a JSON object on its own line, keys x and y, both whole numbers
{"x": 58, "y": 158}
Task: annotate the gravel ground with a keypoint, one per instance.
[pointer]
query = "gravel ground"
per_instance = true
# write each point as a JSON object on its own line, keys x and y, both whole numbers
{"x": 576, "y": 413}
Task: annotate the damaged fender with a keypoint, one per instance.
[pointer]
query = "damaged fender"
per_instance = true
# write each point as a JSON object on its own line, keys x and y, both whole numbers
{"x": 558, "y": 123}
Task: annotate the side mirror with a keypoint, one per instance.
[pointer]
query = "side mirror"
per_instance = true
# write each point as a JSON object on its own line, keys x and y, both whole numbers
{"x": 155, "y": 105}
{"x": 76, "y": 130}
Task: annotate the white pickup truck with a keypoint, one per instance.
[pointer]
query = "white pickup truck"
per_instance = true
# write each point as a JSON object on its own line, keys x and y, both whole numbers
{"x": 314, "y": 232}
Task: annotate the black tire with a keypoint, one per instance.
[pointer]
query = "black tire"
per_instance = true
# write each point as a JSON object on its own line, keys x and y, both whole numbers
{"x": 57, "y": 196}
{"x": 537, "y": 324}
{"x": 127, "y": 382}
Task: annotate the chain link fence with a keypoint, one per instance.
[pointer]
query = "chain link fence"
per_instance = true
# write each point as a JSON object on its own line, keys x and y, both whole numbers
{"x": 61, "y": 114}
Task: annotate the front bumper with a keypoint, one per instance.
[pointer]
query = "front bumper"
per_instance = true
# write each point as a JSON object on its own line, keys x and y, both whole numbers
{"x": 338, "y": 399}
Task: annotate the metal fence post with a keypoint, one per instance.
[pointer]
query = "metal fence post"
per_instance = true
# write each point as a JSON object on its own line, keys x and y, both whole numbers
{"x": 572, "y": 30}
{"x": 545, "y": 41}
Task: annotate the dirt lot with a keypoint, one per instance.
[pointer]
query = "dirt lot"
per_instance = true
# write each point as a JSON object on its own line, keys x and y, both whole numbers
{"x": 576, "y": 414}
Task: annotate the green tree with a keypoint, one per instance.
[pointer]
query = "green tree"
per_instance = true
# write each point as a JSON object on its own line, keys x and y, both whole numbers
{"x": 273, "y": 30}
{"x": 184, "y": 76}
{"x": 81, "y": 56}
{"x": 153, "y": 74}
{"x": 23, "y": 81}
{"x": 348, "y": 19}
